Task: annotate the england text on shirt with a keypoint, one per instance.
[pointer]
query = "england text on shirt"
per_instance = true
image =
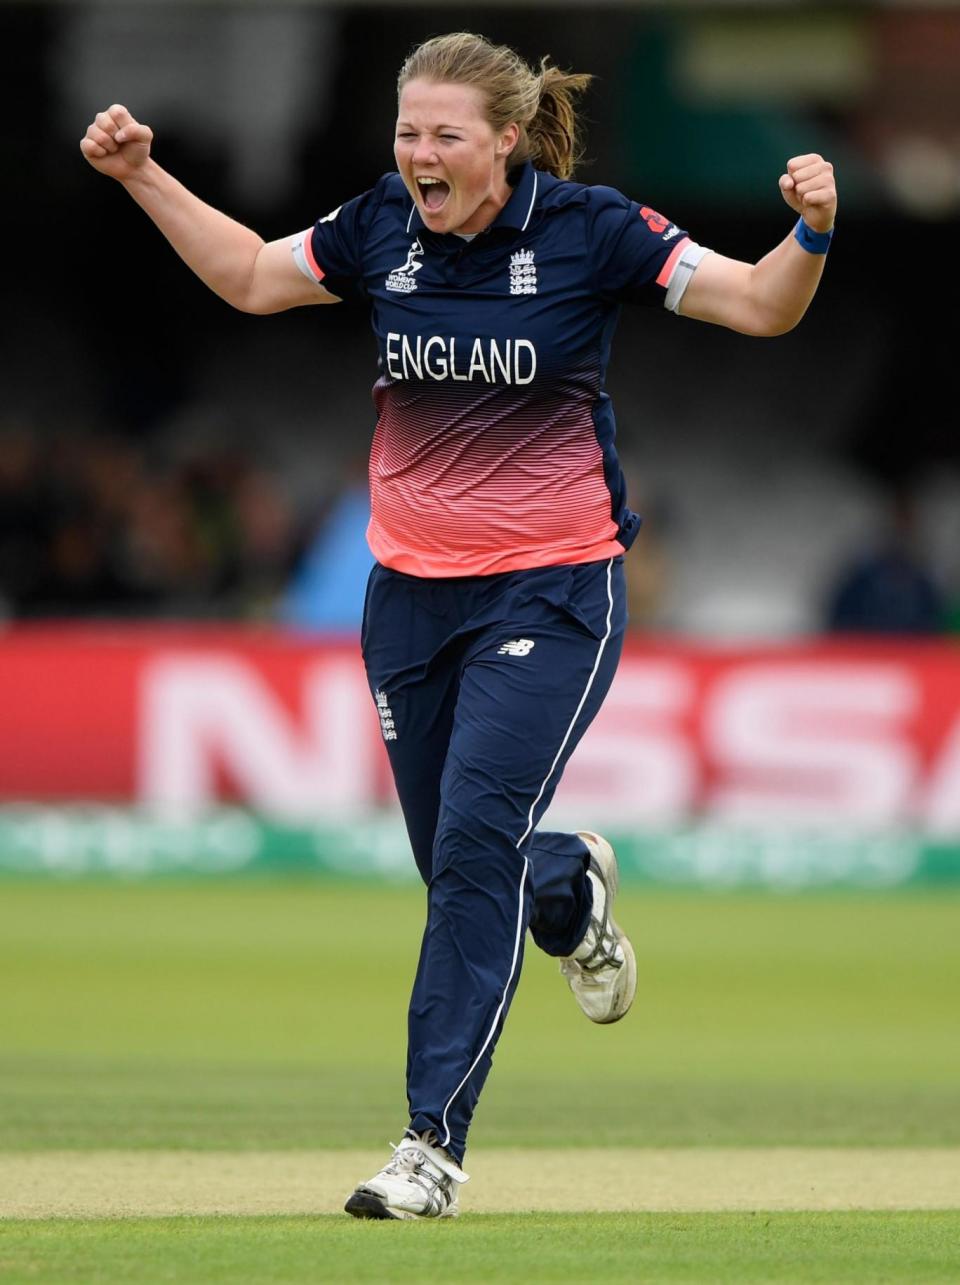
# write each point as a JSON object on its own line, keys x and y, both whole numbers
{"x": 494, "y": 444}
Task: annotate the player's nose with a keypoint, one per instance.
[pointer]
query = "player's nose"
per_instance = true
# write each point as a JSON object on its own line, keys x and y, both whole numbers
{"x": 424, "y": 153}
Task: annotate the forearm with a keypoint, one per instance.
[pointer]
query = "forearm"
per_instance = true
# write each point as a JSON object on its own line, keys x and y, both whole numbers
{"x": 770, "y": 297}
{"x": 222, "y": 252}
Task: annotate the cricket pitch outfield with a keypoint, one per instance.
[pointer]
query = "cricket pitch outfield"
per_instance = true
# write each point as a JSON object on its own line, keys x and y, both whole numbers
{"x": 194, "y": 1076}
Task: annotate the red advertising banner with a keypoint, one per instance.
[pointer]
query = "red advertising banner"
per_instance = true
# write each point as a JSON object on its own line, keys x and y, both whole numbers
{"x": 853, "y": 734}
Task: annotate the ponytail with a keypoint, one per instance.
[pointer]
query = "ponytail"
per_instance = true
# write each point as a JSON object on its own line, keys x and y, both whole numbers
{"x": 554, "y": 136}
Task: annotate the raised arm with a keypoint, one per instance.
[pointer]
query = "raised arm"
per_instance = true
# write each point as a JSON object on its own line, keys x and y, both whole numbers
{"x": 770, "y": 297}
{"x": 238, "y": 265}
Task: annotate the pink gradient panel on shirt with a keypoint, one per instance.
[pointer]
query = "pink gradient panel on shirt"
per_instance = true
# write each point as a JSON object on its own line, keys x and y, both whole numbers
{"x": 471, "y": 482}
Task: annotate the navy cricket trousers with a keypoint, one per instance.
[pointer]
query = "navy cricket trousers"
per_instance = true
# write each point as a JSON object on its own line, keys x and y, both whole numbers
{"x": 484, "y": 685}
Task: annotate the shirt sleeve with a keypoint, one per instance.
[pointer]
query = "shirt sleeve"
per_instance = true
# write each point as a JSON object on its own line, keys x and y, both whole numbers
{"x": 331, "y": 252}
{"x": 640, "y": 256}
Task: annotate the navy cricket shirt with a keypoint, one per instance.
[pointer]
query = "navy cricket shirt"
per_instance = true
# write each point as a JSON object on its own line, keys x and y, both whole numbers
{"x": 494, "y": 446}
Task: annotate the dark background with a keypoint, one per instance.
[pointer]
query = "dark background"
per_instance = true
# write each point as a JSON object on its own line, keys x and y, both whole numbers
{"x": 741, "y": 452}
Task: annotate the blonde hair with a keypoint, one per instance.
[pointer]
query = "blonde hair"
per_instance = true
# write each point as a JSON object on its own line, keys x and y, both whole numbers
{"x": 540, "y": 102}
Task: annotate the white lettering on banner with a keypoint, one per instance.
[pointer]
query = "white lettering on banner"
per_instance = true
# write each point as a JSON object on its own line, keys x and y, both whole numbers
{"x": 940, "y": 807}
{"x": 437, "y": 358}
{"x": 635, "y": 764}
{"x": 749, "y": 742}
{"x": 816, "y": 742}
{"x": 201, "y": 712}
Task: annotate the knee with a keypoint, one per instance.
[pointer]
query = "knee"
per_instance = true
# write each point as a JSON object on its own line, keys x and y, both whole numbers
{"x": 470, "y": 853}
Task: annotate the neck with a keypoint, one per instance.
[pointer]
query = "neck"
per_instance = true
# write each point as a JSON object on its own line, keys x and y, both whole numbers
{"x": 485, "y": 213}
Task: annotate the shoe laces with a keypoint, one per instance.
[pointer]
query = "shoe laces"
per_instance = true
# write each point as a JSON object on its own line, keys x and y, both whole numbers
{"x": 606, "y": 954}
{"x": 404, "y": 1159}
{"x": 410, "y": 1159}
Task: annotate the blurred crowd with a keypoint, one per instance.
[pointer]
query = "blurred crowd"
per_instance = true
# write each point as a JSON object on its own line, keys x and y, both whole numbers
{"x": 94, "y": 525}
{"x": 100, "y": 526}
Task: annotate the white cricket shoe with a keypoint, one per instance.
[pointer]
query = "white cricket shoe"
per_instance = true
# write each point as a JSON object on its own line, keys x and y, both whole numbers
{"x": 602, "y": 971}
{"x": 421, "y": 1181}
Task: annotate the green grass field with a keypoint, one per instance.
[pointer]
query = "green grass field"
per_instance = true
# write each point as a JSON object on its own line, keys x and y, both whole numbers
{"x": 827, "y": 1248}
{"x": 243, "y": 1018}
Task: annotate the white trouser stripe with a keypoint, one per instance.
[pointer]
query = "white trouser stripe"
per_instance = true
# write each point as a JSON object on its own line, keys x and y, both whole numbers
{"x": 523, "y": 878}
{"x": 576, "y": 715}
{"x": 503, "y": 1000}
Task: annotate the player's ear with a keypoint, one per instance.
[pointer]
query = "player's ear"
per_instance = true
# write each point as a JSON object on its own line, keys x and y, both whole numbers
{"x": 508, "y": 139}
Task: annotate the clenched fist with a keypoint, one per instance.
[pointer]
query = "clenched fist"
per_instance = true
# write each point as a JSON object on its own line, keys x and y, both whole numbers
{"x": 808, "y": 187}
{"x": 116, "y": 144}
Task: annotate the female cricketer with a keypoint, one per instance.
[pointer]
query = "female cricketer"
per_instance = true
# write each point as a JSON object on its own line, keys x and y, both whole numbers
{"x": 495, "y": 612}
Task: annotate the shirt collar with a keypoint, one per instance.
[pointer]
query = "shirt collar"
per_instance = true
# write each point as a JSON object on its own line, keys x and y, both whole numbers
{"x": 518, "y": 210}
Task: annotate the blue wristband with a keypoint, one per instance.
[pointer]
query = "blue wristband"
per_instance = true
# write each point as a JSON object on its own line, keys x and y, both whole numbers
{"x": 812, "y": 242}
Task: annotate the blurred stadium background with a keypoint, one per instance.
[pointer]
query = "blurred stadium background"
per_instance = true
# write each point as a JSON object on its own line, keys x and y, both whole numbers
{"x": 181, "y": 487}
{"x": 209, "y": 916}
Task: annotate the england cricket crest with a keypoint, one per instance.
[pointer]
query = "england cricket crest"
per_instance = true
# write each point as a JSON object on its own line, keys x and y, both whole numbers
{"x": 523, "y": 273}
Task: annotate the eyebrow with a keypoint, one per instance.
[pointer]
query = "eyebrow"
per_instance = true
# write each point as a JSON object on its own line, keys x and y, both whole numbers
{"x": 439, "y": 127}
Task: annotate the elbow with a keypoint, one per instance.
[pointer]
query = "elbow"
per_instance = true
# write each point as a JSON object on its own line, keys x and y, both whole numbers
{"x": 769, "y": 325}
{"x": 770, "y": 317}
{"x": 760, "y": 321}
{"x": 253, "y": 307}
{"x": 250, "y": 293}
{"x": 254, "y": 304}
{"x": 774, "y": 329}
{"x": 240, "y": 299}
{"x": 771, "y": 321}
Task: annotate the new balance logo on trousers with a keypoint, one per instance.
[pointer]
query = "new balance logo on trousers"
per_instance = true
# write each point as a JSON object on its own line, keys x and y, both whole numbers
{"x": 517, "y": 647}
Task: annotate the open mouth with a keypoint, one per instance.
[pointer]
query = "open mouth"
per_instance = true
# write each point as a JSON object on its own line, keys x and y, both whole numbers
{"x": 433, "y": 192}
